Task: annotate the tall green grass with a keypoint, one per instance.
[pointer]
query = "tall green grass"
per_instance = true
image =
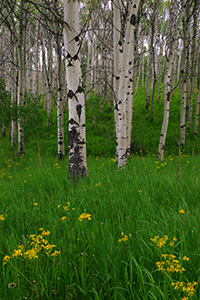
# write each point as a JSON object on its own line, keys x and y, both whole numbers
{"x": 140, "y": 202}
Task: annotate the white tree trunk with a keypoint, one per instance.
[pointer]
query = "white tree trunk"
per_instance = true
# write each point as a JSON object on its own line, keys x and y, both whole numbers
{"x": 125, "y": 91}
{"x": 167, "y": 88}
{"x": 76, "y": 99}
{"x": 20, "y": 100}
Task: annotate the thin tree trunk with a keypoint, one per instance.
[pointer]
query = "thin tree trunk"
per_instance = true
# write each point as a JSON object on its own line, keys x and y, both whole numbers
{"x": 167, "y": 89}
{"x": 20, "y": 97}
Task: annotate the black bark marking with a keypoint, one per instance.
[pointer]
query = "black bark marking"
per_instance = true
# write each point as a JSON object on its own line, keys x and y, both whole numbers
{"x": 73, "y": 122}
{"x": 76, "y": 168}
{"x": 76, "y": 38}
{"x": 168, "y": 96}
{"x": 116, "y": 106}
{"x": 79, "y": 109}
{"x": 117, "y": 77}
{"x": 70, "y": 94}
{"x": 61, "y": 155}
{"x": 79, "y": 89}
{"x": 75, "y": 57}
{"x": 70, "y": 64}
{"x": 133, "y": 20}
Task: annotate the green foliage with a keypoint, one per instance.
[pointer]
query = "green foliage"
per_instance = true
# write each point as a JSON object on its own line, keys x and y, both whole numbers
{"x": 6, "y": 112}
{"x": 33, "y": 118}
{"x": 99, "y": 127}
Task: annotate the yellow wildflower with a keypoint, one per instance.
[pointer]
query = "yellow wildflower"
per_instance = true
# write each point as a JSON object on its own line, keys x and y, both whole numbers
{"x": 181, "y": 211}
{"x": 2, "y": 218}
{"x": 97, "y": 184}
{"x": 6, "y": 259}
{"x": 63, "y": 218}
{"x": 84, "y": 216}
{"x": 35, "y": 204}
{"x": 45, "y": 232}
{"x": 55, "y": 253}
{"x": 186, "y": 258}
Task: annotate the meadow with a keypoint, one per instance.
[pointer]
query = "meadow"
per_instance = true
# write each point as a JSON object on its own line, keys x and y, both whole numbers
{"x": 118, "y": 234}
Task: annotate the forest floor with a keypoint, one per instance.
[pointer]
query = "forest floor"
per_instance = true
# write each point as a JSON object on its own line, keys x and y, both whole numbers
{"x": 118, "y": 234}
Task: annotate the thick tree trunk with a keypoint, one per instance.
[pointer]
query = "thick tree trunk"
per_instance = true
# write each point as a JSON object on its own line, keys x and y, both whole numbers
{"x": 125, "y": 90}
{"x": 76, "y": 99}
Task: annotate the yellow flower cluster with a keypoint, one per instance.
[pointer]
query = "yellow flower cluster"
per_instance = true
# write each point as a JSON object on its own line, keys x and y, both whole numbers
{"x": 170, "y": 264}
{"x": 124, "y": 237}
{"x": 159, "y": 242}
{"x": 2, "y": 218}
{"x": 188, "y": 289}
{"x": 66, "y": 207}
{"x": 84, "y": 216}
{"x": 6, "y": 259}
{"x": 38, "y": 244}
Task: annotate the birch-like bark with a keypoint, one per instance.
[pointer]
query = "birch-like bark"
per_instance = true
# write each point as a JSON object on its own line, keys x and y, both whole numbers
{"x": 49, "y": 77}
{"x": 13, "y": 90}
{"x": 167, "y": 87}
{"x": 20, "y": 97}
{"x": 184, "y": 76}
{"x": 76, "y": 99}
{"x": 192, "y": 78}
{"x": 44, "y": 77}
{"x": 117, "y": 49}
{"x": 125, "y": 91}
{"x": 196, "y": 122}
{"x": 149, "y": 68}
{"x": 60, "y": 98}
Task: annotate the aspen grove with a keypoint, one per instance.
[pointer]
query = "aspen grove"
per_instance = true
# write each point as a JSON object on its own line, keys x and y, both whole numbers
{"x": 77, "y": 55}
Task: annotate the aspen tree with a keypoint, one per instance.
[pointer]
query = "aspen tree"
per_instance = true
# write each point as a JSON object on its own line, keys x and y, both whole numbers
{"x": 117, "y": 44}
{"x": 21, "y": 89}
{"x": 60, "y": 98}
{"x": 167, "y": 84}
{"x": 125, "y": 90}
{"x": 76, "y": 99}
{"x": 193, "y": 62}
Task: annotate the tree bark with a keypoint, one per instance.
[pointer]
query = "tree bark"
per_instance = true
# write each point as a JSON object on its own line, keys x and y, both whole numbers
{"x": 76, "y": 99}
{"x": 167, "y": 87}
